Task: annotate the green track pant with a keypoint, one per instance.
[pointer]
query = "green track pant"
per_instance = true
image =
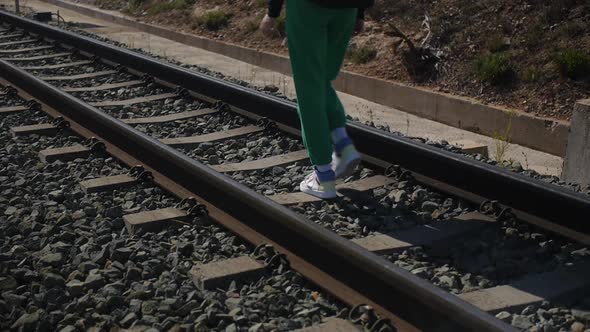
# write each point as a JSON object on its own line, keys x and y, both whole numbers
{"x": 318, "y": 38}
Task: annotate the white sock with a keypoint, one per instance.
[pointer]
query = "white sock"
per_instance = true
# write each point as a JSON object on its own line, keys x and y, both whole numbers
{"x": 323, "y": 168}
{"x": 339, "y": 134}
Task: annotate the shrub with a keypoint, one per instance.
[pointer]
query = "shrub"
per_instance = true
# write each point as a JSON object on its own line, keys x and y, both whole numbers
{"x": 573, "y": 64}
{"x": 494, "y": 68}
{"x": 160, "y": 7}
{"x": 252, "y": 25}
{"x": 134, "y": 5}
{"x": 362, "y": 54}
{"x": 214, "y": 20}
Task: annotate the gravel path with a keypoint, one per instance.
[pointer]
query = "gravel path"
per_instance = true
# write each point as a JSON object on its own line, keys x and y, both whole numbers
{"x": 67, "y": 262}
{"x": 202, "y": 125}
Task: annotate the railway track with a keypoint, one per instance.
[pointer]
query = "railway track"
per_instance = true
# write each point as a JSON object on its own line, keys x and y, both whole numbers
{"x": 196, "y": 136}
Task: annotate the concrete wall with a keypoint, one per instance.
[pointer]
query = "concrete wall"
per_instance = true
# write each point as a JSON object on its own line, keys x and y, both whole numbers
{"x": 576, "y": 164}
{"x": 527, "y": 130}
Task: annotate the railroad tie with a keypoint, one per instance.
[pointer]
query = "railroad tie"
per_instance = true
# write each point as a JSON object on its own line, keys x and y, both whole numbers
{"x": 58, "y": 66}
{"x": 433, "y": 235}
{"x": 220, "y": 274}
{"x": 170, "y": 117}
{"x": 79, "y": 76}
{"x": 13, "y": 109}
{"x": 47, "y": 129}
{"x": 50, "y": 129}
{"x": 533, "y": 289}
{"x": 102, "y": 87}
{"x": 345, "y": 189}
{"x": 153, "y": 221}
{"x": 188, "y": 142}
{"x": 37, "y": 57}
{"x": 64, "y": 154}
{"x": 332, "y": 324}
{"x": 472, "y": 147}
{"x": 18, "y": 42}
{"x": 10, "y": 36}
{"x": 107, "y": 183}
{"x": 132, "y": 101}
{"x": 29, "y": 49}
{"x": 273, "y": 161}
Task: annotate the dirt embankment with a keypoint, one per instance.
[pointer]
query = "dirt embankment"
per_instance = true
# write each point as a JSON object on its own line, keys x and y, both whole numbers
{"x": 532, "y": 55}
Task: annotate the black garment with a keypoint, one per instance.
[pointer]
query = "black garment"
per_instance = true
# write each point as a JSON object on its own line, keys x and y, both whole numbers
{"x": 274, "y": 6}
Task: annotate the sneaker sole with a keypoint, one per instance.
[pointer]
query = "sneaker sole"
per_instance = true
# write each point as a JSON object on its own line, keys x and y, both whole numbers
{"x": 322, "y": 195}
{"x": 351, "y": 166}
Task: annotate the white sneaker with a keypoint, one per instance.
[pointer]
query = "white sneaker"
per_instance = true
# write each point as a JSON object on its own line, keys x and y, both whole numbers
{"x": 319, "y": 184}
{"x": 345, "y": 163}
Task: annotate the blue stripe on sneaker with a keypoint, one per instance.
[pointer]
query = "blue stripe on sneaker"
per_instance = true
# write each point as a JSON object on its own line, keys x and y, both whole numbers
{"x": 325, "y": 176}
{"x": 342, "y": 144}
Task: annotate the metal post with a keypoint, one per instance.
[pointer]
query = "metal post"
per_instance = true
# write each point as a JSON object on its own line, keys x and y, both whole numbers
{"x": 17, "y": 6}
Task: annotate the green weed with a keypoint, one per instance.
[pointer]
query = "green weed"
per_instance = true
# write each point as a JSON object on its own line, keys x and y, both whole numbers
{"x": 573, "y": 64}
{"x": 503, "y": 140}
{"x": 214, "y": 20}
{"x": 362, "y": 54}
{"x": 161, "y": 7}
{"x": 494, "y": 68}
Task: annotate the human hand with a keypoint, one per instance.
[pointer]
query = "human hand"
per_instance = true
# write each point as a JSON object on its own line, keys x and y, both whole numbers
{"x": 267, "y": 26}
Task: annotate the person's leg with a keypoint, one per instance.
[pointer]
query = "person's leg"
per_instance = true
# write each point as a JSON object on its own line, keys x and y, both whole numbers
{"x": 307, "y": 31}
{"x": 346, "y": 158}
{"x": 339, "y": 31}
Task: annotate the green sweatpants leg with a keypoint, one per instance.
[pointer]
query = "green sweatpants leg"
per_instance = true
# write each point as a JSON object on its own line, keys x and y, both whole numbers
{"x": 318, "y": 38}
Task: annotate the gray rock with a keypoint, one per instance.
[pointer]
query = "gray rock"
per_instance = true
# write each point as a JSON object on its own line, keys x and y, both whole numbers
{"x": 69, "y": 328}
{"x": 14, "y": 300}
{"x": 86, "y": 267}
{"x": 397, "y": 195}
{"x": 528, "y": 310}
{"x": 582, "y": 315}
{"x": 577, "y": 327}
{"x": 79, "y": 214}
{"x": 121, "y": 254}
{"x": 75, "y": 287}
{"x": 419, "y": 195}
{"x": 449, "y": 282}
{"x": 53, "y": 259}
{"x": 57, "y": 195}
{"x": 94, "y": 281}
{"x": 8, "y": 283}
{"x": 429, "y": 206}
{"x": 504, "y": 316}
{"x": 27, "y": 322}
{"x": 148, "y": 307}
{"x": 10, "y": 210}
{"x": 232, "y": 303}
{"x": 114, "y": 212}
{"x": 129, "y": 319}
{"x": 51, "y": 280}
{"x": 213, "y": 160}
{"x": 521, "y": 322}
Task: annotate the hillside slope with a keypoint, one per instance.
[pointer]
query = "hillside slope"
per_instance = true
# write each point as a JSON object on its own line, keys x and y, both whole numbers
{"x": 532, "y": 55}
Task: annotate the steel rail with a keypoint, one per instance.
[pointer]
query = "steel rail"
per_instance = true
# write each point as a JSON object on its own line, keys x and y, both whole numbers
{"x": 395, "y": 290}
{"x": 554, "y": 208}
